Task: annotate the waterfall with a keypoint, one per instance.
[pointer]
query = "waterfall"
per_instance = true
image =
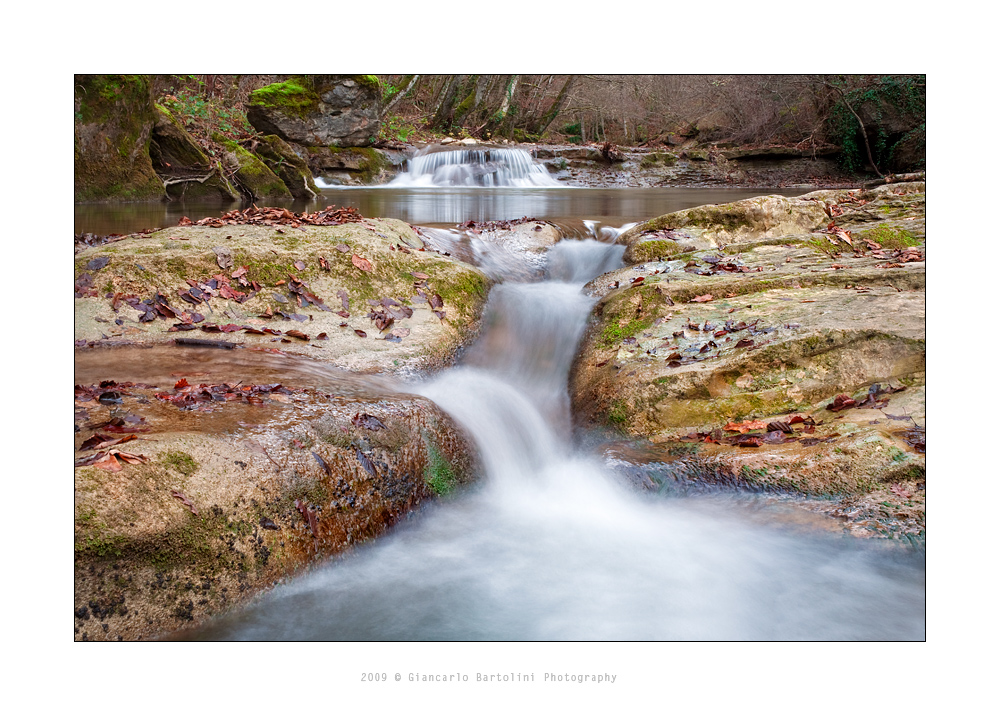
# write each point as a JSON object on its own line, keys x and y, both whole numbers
{"x": 550, "y": 546}
{"x": 492, "y": 167}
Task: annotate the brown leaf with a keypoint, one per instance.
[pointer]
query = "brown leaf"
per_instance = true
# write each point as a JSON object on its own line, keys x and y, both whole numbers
{"x": 300, "y": 265}
{"x": 108, "y": 462}
{"x": 297, "y": 334}
{"x": 322, "y": 463}
{"x": 365, "y": 462}
{"x": 746, "y": 426}
{"x": 362, "y": 263}
{"x": 841, "y": 402}
{"x": 310, "y": 516}
{"x": 342, "y": 248}
{"x": 702, "y": 299}
{"x": 370, "y": 422}
{"x": 323, "y": 264}
{"x": 187, "y": 503}
{"x": 360, "y": 333}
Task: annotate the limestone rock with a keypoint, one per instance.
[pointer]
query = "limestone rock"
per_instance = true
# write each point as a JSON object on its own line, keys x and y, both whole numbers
{"x": 765, "y": 329}
{"x": 220, "y": 507}
{"x": 319, "y": 110}
{"x": 167, "y": 260}
{"x": 723, "y": 224}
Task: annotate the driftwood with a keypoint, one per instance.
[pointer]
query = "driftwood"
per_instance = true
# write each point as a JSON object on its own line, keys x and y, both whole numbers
{"x": 204, "y": 343}
{"x": 894, "y": 178}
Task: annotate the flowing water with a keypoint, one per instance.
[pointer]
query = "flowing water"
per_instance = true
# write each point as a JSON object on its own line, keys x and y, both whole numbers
{"x": 550, "y": 546}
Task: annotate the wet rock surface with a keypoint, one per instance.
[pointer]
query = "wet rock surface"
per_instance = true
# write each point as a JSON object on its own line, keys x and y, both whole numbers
{"x": 208, "y": 501}
{"x": 731, "y": 315}
{"x": 367, "y": 296}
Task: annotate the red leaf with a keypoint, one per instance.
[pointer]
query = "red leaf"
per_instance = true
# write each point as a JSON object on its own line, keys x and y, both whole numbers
{"x": 362, "y": 263}
{"x": 182, "y": 383}
{"x": 746, "y": 425}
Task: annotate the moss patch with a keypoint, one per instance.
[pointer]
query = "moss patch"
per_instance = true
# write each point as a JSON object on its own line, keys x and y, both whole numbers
{"x": 891, "y": 237}
{"x": 295, "y": 97}
{"x": 180, "y": 461}
{"x": 438, "y": 474}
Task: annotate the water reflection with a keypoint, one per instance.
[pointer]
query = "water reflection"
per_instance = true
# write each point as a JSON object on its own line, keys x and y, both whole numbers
{"x": 430, "y": 206}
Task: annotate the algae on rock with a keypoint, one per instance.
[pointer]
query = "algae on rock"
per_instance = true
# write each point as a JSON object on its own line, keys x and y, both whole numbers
{"x": 114, "y": 119}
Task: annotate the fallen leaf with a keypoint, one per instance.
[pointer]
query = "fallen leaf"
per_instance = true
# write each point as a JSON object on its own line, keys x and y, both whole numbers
{"x": 702, "y": 299}
{"x": 361, "y": 333}
{"x": 365, "y": 462}
{"x": 300, "y": 265}
{"x": 370, "y": 422}
{"x": 362, "y": 263}
{"x": 322, "y": 463}
{"x": 746, "y": 426}
{"x": 187, "y": 503}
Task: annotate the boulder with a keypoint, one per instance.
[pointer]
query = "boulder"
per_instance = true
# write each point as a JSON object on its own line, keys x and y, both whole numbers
{"x": 319, "y": 110}
{"x": 910, "y": 154}
{"x": 721, "y": 224}
{"x": 216, "y": 503}
{"x": 252, "y": 177}
{"x": 292, "y": 169}
{"x": 371, "y": 261}
{"x": 353, "y": 165}
{"x": 765, "y": 329}
{"x": 179, "y": 161}
{"x": 114, "y": 120}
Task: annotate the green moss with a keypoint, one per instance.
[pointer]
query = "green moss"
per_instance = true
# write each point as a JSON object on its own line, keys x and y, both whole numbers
{"x": 114, "y": 118}
{"x": 180, "y": 461}
{"x": 618, "y": 415}
{"x": 614, "y": 333}
{"x": 371, "y": 81}
{"x": 652, "y": 250}
{"x": 438, "y": 474}
{"x": 252, "y": 175}
{"x": 295, "y": 97}
{"x": 891, "y": 237}
{"x": 653, "y": 159}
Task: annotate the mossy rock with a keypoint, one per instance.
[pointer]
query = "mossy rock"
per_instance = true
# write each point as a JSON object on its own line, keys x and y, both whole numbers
{"x": 736, "y": 222}
{"x": 319, "y": 110}
{"x": 293, "y": 171}
{"x": 114, "y": 119}
{"x": 165, "y": 260}
{"x": 187, "y": 172}
{"x": 251, "y": 175}
{"x": 216, "y": 517}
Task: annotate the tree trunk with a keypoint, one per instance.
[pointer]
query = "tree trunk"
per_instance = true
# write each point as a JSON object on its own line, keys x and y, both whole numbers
{"x": 556, "y": 107}
{"x": 402, "y": 93}
{"x": 445, "y": 109}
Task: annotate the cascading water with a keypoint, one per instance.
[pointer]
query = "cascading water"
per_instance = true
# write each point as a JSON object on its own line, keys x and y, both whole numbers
{"x": 494, "y": 167}
{"x": 550, "y": 546}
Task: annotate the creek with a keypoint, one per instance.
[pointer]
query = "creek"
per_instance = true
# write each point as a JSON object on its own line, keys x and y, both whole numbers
{"x": 553, "y": 543}
{"x": 553, "y": 546}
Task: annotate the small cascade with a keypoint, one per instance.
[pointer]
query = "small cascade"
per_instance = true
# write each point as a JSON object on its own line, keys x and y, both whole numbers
{"x": 493, "y": 167}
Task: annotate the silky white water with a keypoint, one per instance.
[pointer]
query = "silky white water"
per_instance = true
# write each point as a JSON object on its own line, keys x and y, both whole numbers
{"x": 551, "y": 546}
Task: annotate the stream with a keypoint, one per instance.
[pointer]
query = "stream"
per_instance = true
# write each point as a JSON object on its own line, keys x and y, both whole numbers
{"x": 552, "y": 544}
